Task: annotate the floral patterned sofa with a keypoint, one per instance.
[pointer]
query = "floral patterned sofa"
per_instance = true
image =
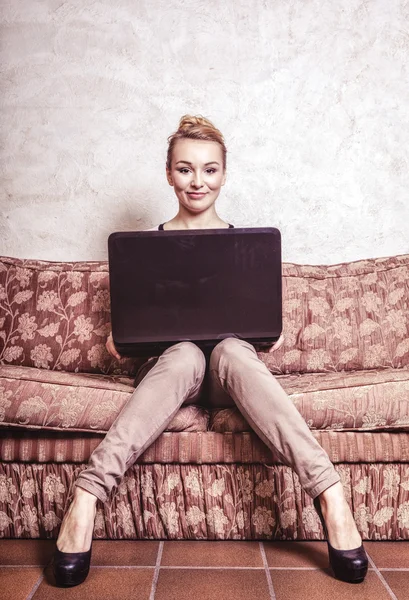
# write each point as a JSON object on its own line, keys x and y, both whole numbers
{"x": 344, "y": 364}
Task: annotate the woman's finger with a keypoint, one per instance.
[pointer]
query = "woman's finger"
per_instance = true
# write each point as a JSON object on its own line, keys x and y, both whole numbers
{"x": 278, "y": 344}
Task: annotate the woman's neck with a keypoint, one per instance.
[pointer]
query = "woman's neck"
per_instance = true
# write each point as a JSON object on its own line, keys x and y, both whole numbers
{"x": 184, "y": 220}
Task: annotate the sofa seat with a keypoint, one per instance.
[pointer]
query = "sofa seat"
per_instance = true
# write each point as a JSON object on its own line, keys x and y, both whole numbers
{"x": 368, "y": 400}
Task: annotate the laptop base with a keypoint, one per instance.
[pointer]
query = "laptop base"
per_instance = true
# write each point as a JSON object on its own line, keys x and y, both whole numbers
{"x": 156, "y": 349}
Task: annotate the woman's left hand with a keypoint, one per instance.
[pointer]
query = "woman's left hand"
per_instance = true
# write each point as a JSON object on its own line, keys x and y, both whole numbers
{"x": 277, "y": 344}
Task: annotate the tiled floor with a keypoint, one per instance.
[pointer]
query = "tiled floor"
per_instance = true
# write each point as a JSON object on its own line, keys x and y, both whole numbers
{"x": 148, "y": 570}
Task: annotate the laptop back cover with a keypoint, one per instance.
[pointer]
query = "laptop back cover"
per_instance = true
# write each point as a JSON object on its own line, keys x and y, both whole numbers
{"x": 197, "y": 285}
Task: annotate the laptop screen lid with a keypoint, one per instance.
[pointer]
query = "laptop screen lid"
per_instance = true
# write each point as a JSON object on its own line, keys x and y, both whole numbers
{"x": 199, "y": 285}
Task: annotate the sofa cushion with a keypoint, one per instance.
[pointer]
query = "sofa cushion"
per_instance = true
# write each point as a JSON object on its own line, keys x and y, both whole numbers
{"x": 40, "y": 399}
{"x": 344, "y": 317}
{"x": 366, "y": 400}
{"x": 56, "y": 315}
{"x": 370, "y": 400}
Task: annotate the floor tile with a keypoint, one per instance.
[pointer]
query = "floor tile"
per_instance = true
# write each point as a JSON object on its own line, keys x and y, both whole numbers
{"x": 26, "y": 552}
{"x": 115, "y": 553}
{"x": 101, "y": 584}
{"x": 211, "y": 554}
{"x": 389, "y": 554}
{"x": 320, "y": 585}
{"x": 17, "y": 583}
{"x": 297, "y": 554}
{"x": 204, "y": 584}
{"x": 398, "y": 582}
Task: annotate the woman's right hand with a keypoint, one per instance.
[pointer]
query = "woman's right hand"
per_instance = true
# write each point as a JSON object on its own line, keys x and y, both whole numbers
{"x": 110, "y": 346}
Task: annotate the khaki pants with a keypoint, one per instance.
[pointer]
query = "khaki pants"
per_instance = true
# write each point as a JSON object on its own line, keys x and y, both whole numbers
{"x": 235, "y": 377}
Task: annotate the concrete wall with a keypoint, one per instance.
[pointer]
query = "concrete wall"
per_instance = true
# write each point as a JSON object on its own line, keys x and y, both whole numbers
{"x": 312, "y": 96}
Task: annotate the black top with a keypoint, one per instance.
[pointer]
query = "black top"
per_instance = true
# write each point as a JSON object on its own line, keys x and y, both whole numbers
{"x": 160, "y": 228}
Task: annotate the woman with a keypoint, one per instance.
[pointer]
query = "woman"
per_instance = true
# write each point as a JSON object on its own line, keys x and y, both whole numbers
{"x": 196, "y": 169}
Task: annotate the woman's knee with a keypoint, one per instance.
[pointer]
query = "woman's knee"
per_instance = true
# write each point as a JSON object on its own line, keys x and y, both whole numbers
{"x": 188, "y": 355}
{"x": 230, "y": 349}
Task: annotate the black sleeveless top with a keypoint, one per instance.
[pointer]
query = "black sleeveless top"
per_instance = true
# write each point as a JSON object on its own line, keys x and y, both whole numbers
{"x": 160, "y": 228}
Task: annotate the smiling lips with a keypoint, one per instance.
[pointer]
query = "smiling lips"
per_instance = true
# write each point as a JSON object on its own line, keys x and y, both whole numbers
{"x": 196, "y": 195}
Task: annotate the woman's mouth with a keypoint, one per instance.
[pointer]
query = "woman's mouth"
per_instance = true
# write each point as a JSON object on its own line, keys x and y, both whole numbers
{"x": 196, "y": 195}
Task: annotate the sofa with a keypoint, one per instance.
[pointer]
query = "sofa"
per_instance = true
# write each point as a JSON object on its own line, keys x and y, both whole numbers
{"x": 344, "y": 364}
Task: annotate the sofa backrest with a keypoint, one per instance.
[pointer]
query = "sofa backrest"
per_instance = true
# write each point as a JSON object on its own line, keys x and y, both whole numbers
{"x": 344, "y": 317}
{"x": 56, "y": 315}
{"x": 350, "y": 316}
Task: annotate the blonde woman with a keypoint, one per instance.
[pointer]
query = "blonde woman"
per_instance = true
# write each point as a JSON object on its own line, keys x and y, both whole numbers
{"x": 196, "y": 169}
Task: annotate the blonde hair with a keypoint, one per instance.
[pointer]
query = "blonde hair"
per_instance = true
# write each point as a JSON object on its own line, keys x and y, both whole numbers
{"x": 196, "y": 128}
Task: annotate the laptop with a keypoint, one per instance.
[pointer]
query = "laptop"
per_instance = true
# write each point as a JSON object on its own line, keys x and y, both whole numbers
{"x": 199, "y": 285}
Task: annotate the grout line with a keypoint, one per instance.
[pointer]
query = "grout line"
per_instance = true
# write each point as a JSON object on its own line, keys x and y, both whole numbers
{"x": 24, "y": 566}
{"x": 215, "y": 568}
{"x": 382, "y": 578}
{"x": 35, "y": 587}
{"x": 186, "y": 567}
{"x": 123, "y": 567}
{"x": 298, "y": 569}
{"x": 267, "y": 571}
{"x": 192, "y": 567}
{"x": 393, "y": 569}
{"x": 156, "y": 572}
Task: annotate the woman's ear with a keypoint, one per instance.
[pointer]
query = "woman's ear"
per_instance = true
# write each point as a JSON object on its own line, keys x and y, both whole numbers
{"x": 169, "y": 176}
{"x": 224, "y": 178}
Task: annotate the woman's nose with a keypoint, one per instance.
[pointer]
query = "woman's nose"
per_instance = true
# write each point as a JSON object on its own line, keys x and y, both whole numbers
{"x": 197, "y": 180}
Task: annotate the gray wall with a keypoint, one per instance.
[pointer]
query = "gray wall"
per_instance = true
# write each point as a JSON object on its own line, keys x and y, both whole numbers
{"x": 312, "y": 96}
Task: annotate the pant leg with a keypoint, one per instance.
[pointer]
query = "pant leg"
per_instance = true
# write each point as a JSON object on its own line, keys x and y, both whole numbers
{"x": 236, "y": 370}
{"x": 176, "y": 378}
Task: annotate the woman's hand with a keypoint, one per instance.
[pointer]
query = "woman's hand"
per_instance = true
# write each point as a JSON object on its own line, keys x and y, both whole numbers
{"x": 277, "y": 345}
{"x": 110, "y": 346}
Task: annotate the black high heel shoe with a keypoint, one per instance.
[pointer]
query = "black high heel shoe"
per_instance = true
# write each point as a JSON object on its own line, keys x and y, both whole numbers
{"x": 71, "y": 568}
{"x": 347, "y": 565}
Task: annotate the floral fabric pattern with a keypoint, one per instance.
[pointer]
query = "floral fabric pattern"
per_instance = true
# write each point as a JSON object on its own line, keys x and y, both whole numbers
{"x": 57, "y": 316}
{"x": 344, "y": 317}
{"x": 369, "y": 401}
{"x": 218, "y": 502}
{"x": 364, "y": 401}
{"x": 77, "y": 402}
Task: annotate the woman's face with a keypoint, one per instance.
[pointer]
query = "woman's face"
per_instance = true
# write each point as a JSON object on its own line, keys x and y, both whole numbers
{"x": 196, "y": 173}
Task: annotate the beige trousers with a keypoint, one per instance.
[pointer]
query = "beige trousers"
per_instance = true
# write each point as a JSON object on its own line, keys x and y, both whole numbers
{"x": 236, "y": 377}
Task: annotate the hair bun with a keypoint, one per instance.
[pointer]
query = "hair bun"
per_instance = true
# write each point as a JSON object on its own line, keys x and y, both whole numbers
{"x": 196, "y": 128}
{"x": 189, "y": 122}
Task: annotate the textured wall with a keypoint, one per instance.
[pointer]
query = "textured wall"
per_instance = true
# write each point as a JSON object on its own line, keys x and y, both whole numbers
{"x": 312, "y": 96}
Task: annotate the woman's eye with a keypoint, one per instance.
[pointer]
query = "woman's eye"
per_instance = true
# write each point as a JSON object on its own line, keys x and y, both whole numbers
{"x": 185, "y": 170}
